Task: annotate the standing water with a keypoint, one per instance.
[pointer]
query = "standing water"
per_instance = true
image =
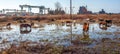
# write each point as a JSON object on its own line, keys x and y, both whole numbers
{"x": 56, "y": 33}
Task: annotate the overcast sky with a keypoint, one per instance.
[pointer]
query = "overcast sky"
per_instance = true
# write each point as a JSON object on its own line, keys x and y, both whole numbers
{"x": 92, "y": 5}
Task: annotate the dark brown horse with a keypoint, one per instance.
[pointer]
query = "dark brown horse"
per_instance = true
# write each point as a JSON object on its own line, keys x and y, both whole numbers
{"x": 109, "y": 23}
{"x": 68, "y": 23}
{"x": 101, "y": 19}
{"x": 8, "y": 26}
{"x": 25, "y": 28}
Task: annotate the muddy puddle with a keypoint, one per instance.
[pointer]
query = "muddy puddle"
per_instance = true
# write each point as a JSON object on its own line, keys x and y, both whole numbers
{"x": 58, "y": 34}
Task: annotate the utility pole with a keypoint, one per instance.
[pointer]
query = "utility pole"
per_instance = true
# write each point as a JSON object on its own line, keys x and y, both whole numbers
{"x": 71, "y": 17}
{"x": 71, "y": 9}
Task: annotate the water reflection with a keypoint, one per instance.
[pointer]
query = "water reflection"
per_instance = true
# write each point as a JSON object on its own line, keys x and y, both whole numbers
{"x": 51, "y": 31}
{"x": 86, "y": 36}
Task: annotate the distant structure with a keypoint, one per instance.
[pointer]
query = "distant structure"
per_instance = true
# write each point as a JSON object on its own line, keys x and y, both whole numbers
{"x": 83, "y": 10}
{"x": 42, "y": 9}
{"x": 11, "y": 12}
{"x": 1, "y": 13}
{"x": 22, "y": 12}
{"x": 19, "y": 13}
{"x": 56, "y": 12}
{"x": 102, "y": 12}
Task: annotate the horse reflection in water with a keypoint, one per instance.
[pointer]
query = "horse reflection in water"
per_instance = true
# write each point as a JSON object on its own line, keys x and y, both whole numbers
{"x": 86, "y": 30}
{"x": 25, "y": 28}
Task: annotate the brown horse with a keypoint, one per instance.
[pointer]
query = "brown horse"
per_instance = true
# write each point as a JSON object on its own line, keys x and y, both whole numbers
{"x": 32, "y": 23}
{"x": 85, "y": 30}
{"x": 101, "y": 19}
{"x": 8, "y": 25}
{"x": 68, "y": 23}
{"x": 85, "y": 27}
{"x": 103, "y": 25}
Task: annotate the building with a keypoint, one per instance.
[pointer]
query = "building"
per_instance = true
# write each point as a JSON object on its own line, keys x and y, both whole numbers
{"x": 83, "y": 10}
{"x": 19, "y": 14}
{"x": 102, "y": 11}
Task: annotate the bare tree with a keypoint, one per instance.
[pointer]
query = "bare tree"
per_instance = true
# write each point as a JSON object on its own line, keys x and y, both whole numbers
{"x": 58, "y": 8}
{"x": 58, "y": 5}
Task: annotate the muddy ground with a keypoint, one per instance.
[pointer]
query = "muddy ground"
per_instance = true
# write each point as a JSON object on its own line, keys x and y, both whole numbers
{"x": 80, "y": 45}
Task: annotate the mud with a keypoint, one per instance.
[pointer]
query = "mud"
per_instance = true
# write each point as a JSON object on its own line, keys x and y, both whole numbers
{"x": 50, "y": 36}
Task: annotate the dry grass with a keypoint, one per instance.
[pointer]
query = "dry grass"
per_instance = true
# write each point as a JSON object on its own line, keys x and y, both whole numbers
{"x": 103, "y": 47}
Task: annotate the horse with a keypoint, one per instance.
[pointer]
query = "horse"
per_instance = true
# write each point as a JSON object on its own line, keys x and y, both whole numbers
{"x": 22, "y": 21}
{"x": 103, "y": 25}
{"x": 32, "y": 24}
{"x": 68, "y": 23}
{"x": 25, "y": 28}
{"x": 109, "y": 23}
{"x": 85, "y": 30}
{"x": 100, "y": 19}
{"x": 8, "y": 25}
{"x": 85, "y": 27}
